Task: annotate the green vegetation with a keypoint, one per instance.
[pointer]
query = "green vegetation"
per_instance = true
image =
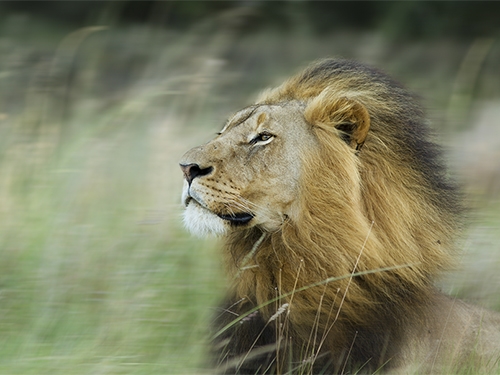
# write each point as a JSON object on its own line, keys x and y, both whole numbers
{"x": 96, "y": 273}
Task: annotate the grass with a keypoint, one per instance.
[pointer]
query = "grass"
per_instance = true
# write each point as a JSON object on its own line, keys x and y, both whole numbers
{"x": 96, "y": 273}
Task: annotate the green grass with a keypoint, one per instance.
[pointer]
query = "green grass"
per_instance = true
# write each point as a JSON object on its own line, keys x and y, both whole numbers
{"x": 97, "y": 275}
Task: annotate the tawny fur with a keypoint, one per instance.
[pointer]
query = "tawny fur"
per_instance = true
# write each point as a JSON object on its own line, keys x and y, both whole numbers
{"x": 345, "y": 283}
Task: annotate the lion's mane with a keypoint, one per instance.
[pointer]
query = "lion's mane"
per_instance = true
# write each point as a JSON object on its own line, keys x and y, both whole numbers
{"x": 394, "y": 232}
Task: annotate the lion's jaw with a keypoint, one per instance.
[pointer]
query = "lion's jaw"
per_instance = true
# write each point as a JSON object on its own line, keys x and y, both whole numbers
{"x": 200, "y": 220}
{"x": 249, "y": 174}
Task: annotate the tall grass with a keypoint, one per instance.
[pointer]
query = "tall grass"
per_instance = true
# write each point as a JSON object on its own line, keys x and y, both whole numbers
{"x": 96, "y": 274}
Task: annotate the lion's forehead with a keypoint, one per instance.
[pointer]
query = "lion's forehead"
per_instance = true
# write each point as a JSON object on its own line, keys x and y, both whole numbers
{"x": 245, "y": 116}
{"x": 258, "y": 114}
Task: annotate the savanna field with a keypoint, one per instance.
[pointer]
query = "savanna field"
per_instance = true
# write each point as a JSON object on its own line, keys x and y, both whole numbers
{"x": 97, "y": 274}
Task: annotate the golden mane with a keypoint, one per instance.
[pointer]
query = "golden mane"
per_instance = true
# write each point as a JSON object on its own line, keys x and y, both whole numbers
{"x": 402, "y": 216}
{"x": 338, "y": 216}
{"x": 404, "y": 211}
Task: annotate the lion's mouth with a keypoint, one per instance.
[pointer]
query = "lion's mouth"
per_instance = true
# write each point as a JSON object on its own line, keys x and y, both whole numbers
{"x": 241, "y": 218}
{"x": 235, "y": 219}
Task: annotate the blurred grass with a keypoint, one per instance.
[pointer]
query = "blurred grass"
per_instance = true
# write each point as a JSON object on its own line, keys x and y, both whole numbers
{"x": 96, "y": 273}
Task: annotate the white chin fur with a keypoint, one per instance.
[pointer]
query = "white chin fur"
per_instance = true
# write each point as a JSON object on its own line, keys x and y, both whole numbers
{"x": 201, "y": 222}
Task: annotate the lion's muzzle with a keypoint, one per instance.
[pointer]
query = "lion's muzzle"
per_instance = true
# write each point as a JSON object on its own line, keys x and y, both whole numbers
{"x": 209, "y": 209}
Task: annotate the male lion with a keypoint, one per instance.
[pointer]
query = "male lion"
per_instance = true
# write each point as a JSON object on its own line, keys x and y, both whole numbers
{"x": 337, "y": 215}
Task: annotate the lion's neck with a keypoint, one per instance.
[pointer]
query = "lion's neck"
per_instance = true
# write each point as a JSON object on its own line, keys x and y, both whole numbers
{"x": 319, "y": 304}
{"x": 321, "y": 289}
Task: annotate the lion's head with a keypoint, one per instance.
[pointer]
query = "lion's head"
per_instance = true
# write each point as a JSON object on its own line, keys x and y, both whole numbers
{"x": 250, "y": 174}
{"x": 296, "y": 157}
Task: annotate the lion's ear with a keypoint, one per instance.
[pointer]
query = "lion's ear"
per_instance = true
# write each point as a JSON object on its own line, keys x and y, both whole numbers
{"x": 348, "y": 116}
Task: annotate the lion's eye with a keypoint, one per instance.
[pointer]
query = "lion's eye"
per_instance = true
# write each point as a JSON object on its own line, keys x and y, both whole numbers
{"x": 262, "y": 138}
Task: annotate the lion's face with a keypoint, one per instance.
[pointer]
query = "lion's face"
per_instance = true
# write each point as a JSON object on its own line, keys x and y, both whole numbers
{"x": 249, "y": 174}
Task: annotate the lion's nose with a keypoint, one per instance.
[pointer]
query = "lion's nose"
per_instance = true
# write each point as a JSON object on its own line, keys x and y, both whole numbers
{"x": 191, "y": 171}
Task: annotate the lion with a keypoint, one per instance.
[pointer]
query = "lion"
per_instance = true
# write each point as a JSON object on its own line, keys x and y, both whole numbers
{"x": 337, "y": 215}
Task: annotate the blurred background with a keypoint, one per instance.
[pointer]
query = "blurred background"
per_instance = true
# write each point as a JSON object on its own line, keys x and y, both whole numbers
{"x": 98, "y": 101}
